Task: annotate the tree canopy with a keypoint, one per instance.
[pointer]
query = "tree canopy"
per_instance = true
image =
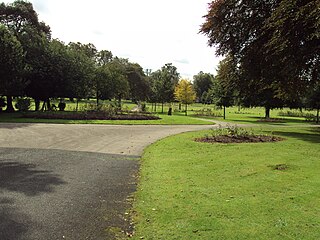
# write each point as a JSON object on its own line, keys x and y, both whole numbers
{"x": 275, "y": 46}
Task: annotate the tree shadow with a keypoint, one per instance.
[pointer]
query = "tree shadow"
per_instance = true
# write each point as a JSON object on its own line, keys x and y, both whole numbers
{"x": 5, "y": 125}
{"x": 25, "y": 178}
{"x": 313, "y": 136}
{"x": 13, "y": 224}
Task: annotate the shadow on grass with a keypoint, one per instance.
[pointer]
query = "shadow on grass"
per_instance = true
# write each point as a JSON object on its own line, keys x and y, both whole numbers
{"x": 313, "y": 136}
{"x": 259, "y": 120}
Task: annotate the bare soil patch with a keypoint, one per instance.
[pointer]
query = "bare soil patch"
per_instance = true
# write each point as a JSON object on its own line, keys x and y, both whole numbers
{"x": 88, "y": 116}
{"x": 239, "y": 139}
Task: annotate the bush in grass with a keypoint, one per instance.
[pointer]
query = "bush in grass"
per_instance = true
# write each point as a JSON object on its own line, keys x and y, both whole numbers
{"x": 23, "y": 104}
{"x": 105, "y": 109}
{"x": 231, "y": 131}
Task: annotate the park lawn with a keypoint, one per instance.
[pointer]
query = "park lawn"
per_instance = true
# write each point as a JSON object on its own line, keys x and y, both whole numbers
{"x": 254, "y": 115}
{"x": 191, "y": 190}
{"x": 176, "y": 119}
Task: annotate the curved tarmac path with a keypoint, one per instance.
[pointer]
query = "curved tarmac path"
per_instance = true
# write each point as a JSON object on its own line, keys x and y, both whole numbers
{"x": 70, "y": 181}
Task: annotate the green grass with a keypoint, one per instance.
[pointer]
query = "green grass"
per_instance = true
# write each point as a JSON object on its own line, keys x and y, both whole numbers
{"x": 253, "y": 115}
{"x": 191, "y": 190}
{"x": 177, "y": 119}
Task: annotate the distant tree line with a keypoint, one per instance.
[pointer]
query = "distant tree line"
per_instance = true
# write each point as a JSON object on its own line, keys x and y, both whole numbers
{"x": 34, "y": 65}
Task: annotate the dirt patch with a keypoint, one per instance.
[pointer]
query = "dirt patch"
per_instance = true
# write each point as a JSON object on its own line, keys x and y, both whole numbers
{"x": 89, "y": 116}
{"x": 279, "y": 167}
{"x": 239, "y": 139}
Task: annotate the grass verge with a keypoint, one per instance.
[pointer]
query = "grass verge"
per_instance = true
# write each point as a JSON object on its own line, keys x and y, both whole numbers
{"x": 191, "y": 190}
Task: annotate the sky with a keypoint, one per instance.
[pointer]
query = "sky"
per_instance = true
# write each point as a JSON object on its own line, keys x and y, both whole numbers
{"x": 149, "y": 32}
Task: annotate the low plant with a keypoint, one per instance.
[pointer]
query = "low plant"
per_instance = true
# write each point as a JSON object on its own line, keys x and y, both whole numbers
{"x": 23, "y": 104}
{"x": 62, "y": 106}
{"x": 231, "y": 131}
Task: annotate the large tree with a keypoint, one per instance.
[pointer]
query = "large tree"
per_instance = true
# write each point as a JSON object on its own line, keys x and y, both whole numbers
{"x": 165, "y": 81}
{"x": 185, "y": 93}
{"x": 11, "y": 66}
{"x": 274, "y": 44}
{"x": 139, "y": 86}
{"x": 202, "y": 82}
{"x": 22, "y": 21}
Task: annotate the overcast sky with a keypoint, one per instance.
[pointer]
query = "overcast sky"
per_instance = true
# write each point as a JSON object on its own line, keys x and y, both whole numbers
{"x": 149, "y": 32}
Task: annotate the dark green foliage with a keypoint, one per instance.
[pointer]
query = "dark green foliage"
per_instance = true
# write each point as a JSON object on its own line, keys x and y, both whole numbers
{"x": 62, "y": 106}
{"x": 274, "y": 46}
{"x": 23, "y": 104}
{"x": 202, "y": 82}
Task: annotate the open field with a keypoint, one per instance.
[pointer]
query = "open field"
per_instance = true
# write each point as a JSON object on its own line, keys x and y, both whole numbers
{"x": 191, "y": 190}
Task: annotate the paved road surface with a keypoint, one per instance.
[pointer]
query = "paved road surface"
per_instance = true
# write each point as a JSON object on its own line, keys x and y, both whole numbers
{"x": 70, "y": 181}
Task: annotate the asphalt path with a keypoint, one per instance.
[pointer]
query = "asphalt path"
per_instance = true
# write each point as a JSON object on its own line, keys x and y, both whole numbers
{"x": 71, "y": 181}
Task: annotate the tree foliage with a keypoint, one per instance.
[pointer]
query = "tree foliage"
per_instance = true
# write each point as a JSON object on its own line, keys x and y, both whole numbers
{"x": 185, "y": 93}
{"x": 202, "y": 82}
{"x": 275, "y": 46}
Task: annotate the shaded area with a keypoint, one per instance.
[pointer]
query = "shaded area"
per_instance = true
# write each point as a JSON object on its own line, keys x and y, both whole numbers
{"x": 13, "y": 125}
{"x": 13, "y": 224}
{"x": 55, "y": 194}
{"x": 313, "y": 136}
{"x": 25, "y": 178}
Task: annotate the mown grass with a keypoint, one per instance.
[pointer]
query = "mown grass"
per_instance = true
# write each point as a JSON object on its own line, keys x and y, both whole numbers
{"x": 191, "y": 190}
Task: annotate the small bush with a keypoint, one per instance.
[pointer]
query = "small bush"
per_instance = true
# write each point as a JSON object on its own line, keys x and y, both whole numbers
{"x": 231, "y": 131}
{"x": 23, "y": 104}
{"x": 105, "y": 109}
{"x": 61, "y": 106}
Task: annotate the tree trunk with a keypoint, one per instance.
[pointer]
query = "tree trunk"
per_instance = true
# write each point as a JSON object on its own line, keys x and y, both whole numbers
{"x": 162, "y": 108}
{"x": 239, "y": 108}
{"x": 317, "y": 121}
{"x": 43, "y": 106}
{"x": 9, "y": 105}
{"x": 267, "y": 112}
{"x": 186, "y": 114}
{"x": 179, "y": 106}
{"x": 119, "y": 101}
{"x": 37, "y": 104}
{"x": 49, "y": 105}
{"x": 155, "y": 107}
{"x": 224, "y": 112}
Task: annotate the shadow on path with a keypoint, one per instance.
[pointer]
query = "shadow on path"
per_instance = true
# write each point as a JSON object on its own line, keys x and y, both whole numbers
{"x": 25, "y": 178}
{"x": 22, "y": 178}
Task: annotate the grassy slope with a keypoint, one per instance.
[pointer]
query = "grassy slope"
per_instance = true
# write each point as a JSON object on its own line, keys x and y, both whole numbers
{"x": 191, "y": 190}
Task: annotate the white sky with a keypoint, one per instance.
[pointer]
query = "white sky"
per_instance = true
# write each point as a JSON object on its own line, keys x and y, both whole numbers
{"x": 149, "y": 32}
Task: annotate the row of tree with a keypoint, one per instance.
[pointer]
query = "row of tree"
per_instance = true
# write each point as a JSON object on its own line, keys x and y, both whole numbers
{"x": 271, "y": 49}
{"x": 33, "y": 64}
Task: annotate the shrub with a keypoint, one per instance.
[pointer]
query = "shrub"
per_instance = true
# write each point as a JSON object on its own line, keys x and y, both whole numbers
{"x": 105, "y": 109}
{"x": 23, "y": 104}
{"x": 61, "y": 106}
